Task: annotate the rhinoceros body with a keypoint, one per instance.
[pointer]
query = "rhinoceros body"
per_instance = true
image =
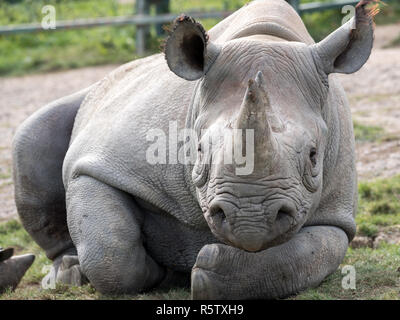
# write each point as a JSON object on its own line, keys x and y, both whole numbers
{"x": 85, "y": 187}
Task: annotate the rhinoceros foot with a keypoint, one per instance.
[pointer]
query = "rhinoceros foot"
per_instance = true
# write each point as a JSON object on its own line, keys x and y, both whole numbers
{"x": 70, "y": 272}
{"x": 12, "y": 270}
{"x": 206, "y": 284}
{"x": 66, "y": 270}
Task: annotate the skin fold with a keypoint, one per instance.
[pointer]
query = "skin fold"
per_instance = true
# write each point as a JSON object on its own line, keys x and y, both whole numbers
{"x": 87, "y": 194}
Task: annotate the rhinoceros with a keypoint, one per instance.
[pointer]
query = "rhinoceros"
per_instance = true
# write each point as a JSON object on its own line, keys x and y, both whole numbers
{"x": 89, "y": 196}
{"x": 12, "y": 269}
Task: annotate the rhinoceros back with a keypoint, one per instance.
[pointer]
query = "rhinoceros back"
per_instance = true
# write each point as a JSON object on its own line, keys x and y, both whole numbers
{"x": 262, "y": 17}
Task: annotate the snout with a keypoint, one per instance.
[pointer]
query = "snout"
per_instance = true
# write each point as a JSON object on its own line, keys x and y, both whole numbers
{"x": 252, "y": 227}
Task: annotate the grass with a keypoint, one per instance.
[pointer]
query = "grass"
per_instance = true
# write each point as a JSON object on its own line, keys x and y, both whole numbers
{"x": 367, "y": 133}
{"x": 40, "y": 52}
{"x": 48, "y": 51}
{"x": 364, "y": 133}
{"x": 379, "y": 205}
{"x": 321, "y": 24}
{"x": 380, "y": 197}
{"x": 376, "y": 269}
{"x": 87, "y": 292}
{"x": 377, "y": 277}
{"x": 12, "y": 234}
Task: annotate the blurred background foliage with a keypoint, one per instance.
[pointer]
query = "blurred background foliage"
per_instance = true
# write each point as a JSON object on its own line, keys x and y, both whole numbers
{"x": 47, "y": 51}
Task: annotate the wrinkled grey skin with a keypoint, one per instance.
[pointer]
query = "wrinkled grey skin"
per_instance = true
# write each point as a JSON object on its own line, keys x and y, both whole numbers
{"x": 12, "y": 269}
{"x": 89, "y": 198}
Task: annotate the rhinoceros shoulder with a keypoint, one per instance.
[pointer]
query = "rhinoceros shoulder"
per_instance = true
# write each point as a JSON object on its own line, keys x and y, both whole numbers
{"x": 110, "y": 137}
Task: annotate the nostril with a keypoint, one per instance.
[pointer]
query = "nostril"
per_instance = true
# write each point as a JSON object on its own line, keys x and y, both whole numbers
{"x": 217, "y": 213}
{"x": 221, "y": 215}
{"x": 284, "y": 213}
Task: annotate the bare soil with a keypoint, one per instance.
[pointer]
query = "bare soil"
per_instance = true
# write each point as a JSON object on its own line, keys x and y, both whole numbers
{"x": 22, "y": 96}
{"x": 374, "y": 93}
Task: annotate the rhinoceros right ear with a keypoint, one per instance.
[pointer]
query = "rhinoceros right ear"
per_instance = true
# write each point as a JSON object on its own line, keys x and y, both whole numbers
{"x": 188, "y": 52}
{"x": 348, "y": 48}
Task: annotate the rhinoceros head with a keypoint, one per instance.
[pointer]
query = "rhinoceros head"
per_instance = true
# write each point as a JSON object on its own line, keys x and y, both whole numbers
{"x": 279, "y": 91}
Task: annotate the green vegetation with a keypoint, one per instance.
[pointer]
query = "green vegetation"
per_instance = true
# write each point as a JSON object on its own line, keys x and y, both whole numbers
{"x": 390, "y": 12}
{"x": 380, "y": 197}
{"x": 365, "y": 133}
{"x": 377, "y": 269}
{"x": 55, "y": 50}
{"x": 379, "y": 205}
{"x": 377, "y": 276}
{"x": 37, "y": 52}
{"x": 320, "y": 24}
{"x": 12, "y": 234}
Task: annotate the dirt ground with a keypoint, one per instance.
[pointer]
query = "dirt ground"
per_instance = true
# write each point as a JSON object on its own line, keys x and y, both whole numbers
{"x": 22, "y": 96}
{"x": 374, "y": 93}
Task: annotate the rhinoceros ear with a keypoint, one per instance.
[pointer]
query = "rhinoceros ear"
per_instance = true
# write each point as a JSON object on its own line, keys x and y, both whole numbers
{"x": 348, "y": 48}
{"x": 6, "y": 254}
{"x": 188, "y": 52}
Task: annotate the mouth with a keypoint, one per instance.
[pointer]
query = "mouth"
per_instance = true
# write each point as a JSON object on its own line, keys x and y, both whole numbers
{"x": 224, "y": 220}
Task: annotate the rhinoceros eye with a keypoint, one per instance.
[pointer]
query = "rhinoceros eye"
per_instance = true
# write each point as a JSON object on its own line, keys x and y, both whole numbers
{"x": 312, "y": 171}
{"x": 201, "y": 168}
{"x": 313, "y": 156}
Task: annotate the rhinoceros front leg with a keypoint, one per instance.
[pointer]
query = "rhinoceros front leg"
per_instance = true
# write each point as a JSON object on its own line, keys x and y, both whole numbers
{"x": 105, "y": 226}
{"x": 224, "y": 272}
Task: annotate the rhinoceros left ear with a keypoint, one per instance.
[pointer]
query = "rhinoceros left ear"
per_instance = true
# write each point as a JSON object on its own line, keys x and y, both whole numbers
{"x": 188, "y": 52}
{"x": 6, "y": 254}
{"x": 348, "y": 48}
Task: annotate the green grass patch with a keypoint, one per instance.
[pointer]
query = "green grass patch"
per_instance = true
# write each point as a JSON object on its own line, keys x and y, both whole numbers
{"x": 12, "y": 234}
{"x": 377, "y": 277}
{"x": 55, "y": 50}
{"x": 86, "y": 292}
{"x": 389, "y": 12}
{"x": 364, "y": 133}
{"x": 67, "y": 49}
{"x": 368, "y": 229}
{"x": 379, "y": 205}
{"x": 380, "y": 196}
